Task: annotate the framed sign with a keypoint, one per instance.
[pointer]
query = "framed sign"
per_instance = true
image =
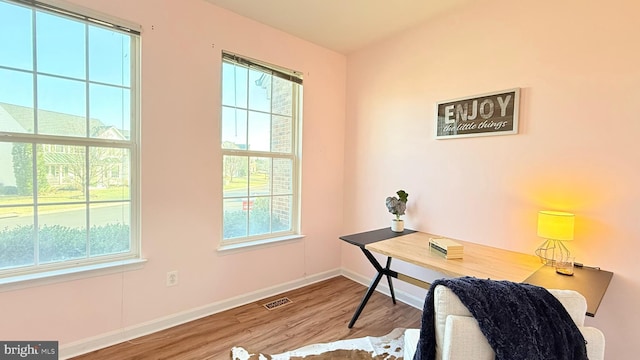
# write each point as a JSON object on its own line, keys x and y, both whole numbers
{"x": 489, "y": 114}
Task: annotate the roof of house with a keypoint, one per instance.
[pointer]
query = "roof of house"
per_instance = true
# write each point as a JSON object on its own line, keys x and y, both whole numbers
{"x": 53, "y": 123}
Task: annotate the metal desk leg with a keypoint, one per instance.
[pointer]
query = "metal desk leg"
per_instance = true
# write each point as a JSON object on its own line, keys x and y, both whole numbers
{"x": 381, "y": 272}
{"x": 388, "y": 273}
{"x": 366, "y": 297}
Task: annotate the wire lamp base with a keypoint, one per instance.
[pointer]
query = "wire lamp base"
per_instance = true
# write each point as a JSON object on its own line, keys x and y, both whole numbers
{"x": 550, "y": 250}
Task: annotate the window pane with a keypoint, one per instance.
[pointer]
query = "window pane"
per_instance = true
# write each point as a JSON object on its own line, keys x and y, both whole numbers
{"x": 60, "y": 46}
{"x": 258, "y": 190}
{"x": 282, "y": 138}
{"x": 16, "y": 98}
{"x": 61, "y": 173}
{"x": 282, "y": 176}
{"x": 234, "y": 85}
{"x": 259, "y": 175}
{"x": 62, "y": 107}
{"x": 234, "y": 128}
{"x": 66, "y": 197}
{"x": 16, "y": 237}
{"x": 259, "y": 91}
{"x": 110, "y": 112}
{"x": 260, "y": 216}
{"x": 16, "y": 173}
{"x": 235, "y": 217}
{"x": 110, "y": 228}
{"x": 62, "y": 233}
{"x": 259, "y": 131}
{"x": 235, "y": 176}
{"x": 16, "y": 46}
{"x": 282, "y": 100}
{"x": 108, "y": 173}
{"x": 109, "y": 57}
{"x": 282, "y": 214}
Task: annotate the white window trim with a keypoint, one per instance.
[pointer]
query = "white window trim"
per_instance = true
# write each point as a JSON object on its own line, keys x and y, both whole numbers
{"x": 69, "y": 274}
{"x": 96, "y": 16}
{"x": 12, "y": 279}
{"x": 296, "y": 157}
{"x": 234, "y": 247}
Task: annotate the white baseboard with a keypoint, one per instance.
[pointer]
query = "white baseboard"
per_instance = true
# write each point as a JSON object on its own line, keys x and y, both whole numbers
{"x": 114, "y": 337}
{"x": 412, "y": 300}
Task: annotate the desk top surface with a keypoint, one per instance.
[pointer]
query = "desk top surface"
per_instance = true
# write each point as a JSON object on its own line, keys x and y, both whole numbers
{"x": 591, "y": 283}
{"x": 481, "y": 261}
{"x": 484, "y": 262}
{"x": 368, "y": 237}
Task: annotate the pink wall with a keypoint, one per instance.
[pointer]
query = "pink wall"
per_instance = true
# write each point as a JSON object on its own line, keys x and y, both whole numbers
{"x": 577, "y": 63}
{"x": 181, "y": 179}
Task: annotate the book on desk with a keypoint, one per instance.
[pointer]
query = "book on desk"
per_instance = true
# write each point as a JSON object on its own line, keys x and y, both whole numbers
{"x": 449, "y": 248}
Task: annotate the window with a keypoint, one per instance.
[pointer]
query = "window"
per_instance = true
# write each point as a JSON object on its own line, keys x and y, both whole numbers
{"x": 261, "y": 107}
{"x": 68, "y": 139}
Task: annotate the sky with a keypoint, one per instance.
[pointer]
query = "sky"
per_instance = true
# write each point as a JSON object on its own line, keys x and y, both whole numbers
{"x": 236, "y": 100}
{"x": 70, "y": 76}
{"x": 65, "y": 66}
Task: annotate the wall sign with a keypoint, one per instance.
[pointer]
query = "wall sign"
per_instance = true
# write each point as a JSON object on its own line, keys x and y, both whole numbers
{"x": 489, "y": 114}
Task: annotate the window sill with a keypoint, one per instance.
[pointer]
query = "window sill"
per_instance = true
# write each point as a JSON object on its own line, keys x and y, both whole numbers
{"x": 57, "y": 276}
{"x": 257, "y": 243}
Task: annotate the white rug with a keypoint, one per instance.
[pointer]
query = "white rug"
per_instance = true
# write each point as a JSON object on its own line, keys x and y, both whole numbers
{"x": 388, "y": 347}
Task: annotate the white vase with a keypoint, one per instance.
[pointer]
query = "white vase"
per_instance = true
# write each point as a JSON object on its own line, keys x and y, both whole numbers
{"x": 397, "y": 225}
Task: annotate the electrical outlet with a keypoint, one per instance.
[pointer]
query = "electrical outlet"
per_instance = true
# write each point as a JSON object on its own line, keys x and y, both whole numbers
{"x": 172, "y": 278}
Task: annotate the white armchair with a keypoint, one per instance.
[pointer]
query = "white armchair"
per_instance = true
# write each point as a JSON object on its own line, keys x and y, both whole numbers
{"x": 458, "y": 336}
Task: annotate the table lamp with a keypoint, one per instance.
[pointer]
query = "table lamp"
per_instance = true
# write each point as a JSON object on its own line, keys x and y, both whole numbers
{"x": 555, "y": 227}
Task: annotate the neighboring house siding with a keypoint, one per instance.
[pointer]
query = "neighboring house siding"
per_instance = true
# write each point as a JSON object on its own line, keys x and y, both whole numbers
{"x": 65, "y": 164}
{"x": 283, "y": 125}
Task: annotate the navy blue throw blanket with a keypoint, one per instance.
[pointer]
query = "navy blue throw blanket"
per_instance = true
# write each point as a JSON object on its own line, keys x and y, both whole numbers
{"x": 520, "y": 321}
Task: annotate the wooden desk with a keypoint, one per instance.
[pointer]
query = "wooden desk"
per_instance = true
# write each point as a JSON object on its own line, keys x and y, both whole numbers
{"x": 592, "y": 283}
{"x": 479, "y": 261}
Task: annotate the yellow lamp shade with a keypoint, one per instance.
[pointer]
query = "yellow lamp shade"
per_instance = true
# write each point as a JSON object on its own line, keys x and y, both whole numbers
{"x": 555, "y": 225}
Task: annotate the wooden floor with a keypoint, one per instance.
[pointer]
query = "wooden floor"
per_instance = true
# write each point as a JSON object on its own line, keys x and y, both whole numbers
{"x": 319, "y": 313}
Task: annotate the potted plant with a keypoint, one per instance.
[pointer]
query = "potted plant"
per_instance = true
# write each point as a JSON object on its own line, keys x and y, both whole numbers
{"x": 397, "y": 206}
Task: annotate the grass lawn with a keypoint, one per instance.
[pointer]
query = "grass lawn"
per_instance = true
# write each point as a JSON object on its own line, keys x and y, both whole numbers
{"x": 241, "y": 183}
{"x": 24, "y": 204}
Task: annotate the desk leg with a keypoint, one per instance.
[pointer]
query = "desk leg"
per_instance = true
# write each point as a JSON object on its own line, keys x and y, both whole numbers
{"x": 388, "y": 272}
{"x": 381, "y": 272}
{"x": 366, "y": 297}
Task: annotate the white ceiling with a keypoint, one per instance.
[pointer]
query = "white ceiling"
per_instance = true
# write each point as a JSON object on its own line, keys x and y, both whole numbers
{"x": 341, "y": 25}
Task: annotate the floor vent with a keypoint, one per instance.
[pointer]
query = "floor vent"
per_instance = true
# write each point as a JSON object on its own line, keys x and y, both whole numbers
{"x": 277, "y": 303}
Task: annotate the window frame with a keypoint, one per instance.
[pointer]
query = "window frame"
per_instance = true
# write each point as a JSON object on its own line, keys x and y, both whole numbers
{"x": 294, "y": 156}
{"x": 39, "y": 273}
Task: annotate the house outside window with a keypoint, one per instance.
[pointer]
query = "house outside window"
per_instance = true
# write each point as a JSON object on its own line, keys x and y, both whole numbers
{"x": 260, "y": 126}
{"x": 69, "y": 130}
